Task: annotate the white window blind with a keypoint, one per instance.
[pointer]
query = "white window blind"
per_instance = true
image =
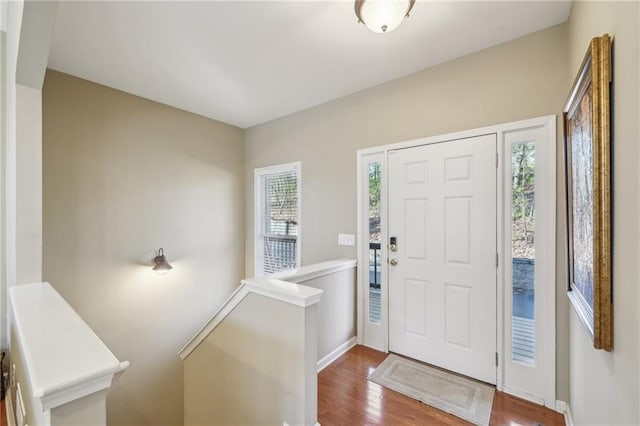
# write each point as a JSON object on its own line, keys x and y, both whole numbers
{"x": 277, "y": 218}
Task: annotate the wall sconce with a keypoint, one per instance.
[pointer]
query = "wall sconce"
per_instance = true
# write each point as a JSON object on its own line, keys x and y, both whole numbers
{"x": 161, "y": 265}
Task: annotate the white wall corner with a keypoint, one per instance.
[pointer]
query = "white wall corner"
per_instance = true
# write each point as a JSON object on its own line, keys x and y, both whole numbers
{"x": 28, "y": 181}
{"x": 4, "y": 6}
{"x": 563, "y": 407}
{"x": 36, "y": 33}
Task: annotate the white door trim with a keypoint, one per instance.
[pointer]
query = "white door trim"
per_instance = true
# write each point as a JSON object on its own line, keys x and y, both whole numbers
{"x": 545, "y": 255}
{"x": 549, "y": 341}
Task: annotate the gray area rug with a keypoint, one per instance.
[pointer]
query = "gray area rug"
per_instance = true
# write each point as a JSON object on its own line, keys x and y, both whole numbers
{"x": 465, "y": 398}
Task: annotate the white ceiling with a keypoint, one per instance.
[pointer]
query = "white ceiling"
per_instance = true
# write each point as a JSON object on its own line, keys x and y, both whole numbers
{"x": 246, "y": 63}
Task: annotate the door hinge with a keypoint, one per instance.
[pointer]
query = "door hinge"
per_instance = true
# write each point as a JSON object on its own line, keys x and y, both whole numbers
{"x": 496, "y": 359}
{"x": 497, "y": 260}
{"x": 496, "y": 160}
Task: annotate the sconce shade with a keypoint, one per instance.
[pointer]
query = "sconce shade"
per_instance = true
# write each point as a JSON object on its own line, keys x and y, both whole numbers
{"x": 161, "y": 265}
{"x": 382, "y": 16}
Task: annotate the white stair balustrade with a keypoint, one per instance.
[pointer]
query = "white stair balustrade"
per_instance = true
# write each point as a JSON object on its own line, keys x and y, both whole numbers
{"x": 256, "y": 360}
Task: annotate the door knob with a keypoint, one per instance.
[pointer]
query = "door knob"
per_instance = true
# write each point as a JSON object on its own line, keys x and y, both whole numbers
{"x": 393, "y": 262}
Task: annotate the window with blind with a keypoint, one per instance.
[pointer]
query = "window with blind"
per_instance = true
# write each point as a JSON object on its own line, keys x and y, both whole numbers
{"x": 277, "y": 218}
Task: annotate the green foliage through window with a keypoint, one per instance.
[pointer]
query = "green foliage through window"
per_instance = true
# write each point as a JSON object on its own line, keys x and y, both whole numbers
{"x": 523, "y": 207}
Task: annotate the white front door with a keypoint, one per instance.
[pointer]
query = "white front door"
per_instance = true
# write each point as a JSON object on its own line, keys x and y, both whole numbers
{"x": 442, "y": 288}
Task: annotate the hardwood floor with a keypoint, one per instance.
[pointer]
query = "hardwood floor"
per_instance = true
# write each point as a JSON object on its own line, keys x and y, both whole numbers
{"x": 345, "y": 397}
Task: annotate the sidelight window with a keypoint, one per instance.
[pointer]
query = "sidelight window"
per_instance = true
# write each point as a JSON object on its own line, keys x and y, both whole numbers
{"x": 375, "y": 265}
{"x": 523, "y": 254}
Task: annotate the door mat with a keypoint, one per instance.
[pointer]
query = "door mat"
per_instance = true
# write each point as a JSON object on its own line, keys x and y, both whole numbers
{"x": 462, "y": 397}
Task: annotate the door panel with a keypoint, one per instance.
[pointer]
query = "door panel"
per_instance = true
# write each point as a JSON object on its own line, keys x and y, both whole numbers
{"x": 415, "y": 217}
{"x": 457, "y": 318}
{"x": 415, "y": 315}
{"x": 442, "y": 291}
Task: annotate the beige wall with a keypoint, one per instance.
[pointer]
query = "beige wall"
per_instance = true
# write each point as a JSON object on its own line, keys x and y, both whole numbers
{"x": 520, "y": 79}
{"x": 604, "y": 386}
{"x": 336, "y": 310}
{"x": 249, "y": 371}
{"x": 124, "y": 176}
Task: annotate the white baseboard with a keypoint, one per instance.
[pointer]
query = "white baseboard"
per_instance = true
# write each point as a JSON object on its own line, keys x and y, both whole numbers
{"x": 524, "y": 395}
{"x": 336, "y": 353}
{"x": 8, "y": 402}
{"x": 568, "y": 417}
{"x": 564, "y": 408}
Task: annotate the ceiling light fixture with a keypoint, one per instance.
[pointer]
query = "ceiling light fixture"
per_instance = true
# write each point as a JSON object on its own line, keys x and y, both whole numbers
{"x": 161, "y": 266}
{"x": 382, "y": 16}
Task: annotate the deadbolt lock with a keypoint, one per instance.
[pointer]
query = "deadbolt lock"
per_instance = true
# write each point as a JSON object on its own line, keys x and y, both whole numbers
{"x": 392, "y": 244}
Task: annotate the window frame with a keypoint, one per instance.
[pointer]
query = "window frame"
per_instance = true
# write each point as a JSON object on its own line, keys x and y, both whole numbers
{"x": 258, "y": 210}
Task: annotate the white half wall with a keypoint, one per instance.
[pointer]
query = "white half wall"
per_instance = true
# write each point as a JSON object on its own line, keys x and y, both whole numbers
{"x": 337, "y": 307}
{"x": 249, "y": 371}
{"x": 336, "y": 310}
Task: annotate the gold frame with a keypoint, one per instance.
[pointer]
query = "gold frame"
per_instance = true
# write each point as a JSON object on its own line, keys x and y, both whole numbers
{"x": 594, "y": 75}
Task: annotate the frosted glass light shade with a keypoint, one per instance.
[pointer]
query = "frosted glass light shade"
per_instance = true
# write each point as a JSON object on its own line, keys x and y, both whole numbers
{"x": 382, "y": 16}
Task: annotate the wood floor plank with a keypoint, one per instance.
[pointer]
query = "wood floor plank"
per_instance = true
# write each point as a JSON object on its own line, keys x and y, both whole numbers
{"x": 346, "y": 397}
